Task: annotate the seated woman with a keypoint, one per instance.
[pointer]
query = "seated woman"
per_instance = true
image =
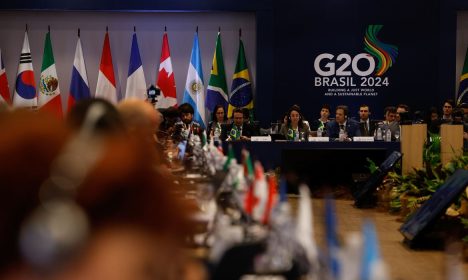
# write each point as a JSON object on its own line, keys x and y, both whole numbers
{"x": 218, "y": 118}
{"x": 295, "y": 129}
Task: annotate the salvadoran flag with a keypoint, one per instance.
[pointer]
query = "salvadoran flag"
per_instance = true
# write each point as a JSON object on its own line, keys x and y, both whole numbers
{"x": 136, "y": 83}
{"x": 106, "y": 87}
{"x": 49, "y": 91}
{"x": 4, "y": 88}
{"x": 166, "y": 81}
{"x": 79, "y": 87}
{"x": 25, "y": 90}
{"x": 194, "y": 93}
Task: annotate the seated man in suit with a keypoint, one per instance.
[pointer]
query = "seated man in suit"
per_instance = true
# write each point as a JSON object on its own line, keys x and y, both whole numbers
{"x": 349, "y": 127}
{"x": 366, "y": 125}
{"x": 186, "y": 126}
{"x": 238, "y": 130}
{"x": 390, "y": 121}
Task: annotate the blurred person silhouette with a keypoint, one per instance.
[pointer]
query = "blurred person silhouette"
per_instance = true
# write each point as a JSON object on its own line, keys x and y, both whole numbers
{"x": 109, "y": 124}
{"x": 129, "y": 229}
{"x": 140, "y": 117}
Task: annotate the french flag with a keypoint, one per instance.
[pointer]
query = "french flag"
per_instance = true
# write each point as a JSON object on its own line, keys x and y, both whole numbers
{"x": 4, "y": 88}
{"x": 105, "y": 87}
{"x": 136, "y": 83}
{"x": 25, "y": 89}
{"x": 79, "y": 87}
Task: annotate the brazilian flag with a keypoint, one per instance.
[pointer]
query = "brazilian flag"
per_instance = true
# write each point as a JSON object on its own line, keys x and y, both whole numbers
{"x": 241, "y": 89}
{"x": 463, "y": 88}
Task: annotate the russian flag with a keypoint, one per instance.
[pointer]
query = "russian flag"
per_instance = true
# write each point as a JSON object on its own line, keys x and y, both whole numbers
{"x": 4, "y": 88}
{"x": 79, "y": 87}
{"x": 106, "y": 87}
{"x": 25, "y": 90}
{"x": 194, "y": 93}
{"x": 136, "y": 83}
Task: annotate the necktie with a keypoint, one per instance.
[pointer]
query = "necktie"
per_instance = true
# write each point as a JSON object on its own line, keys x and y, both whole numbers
{"x": 342, "y": 126}
{"x": 366, "y": 129}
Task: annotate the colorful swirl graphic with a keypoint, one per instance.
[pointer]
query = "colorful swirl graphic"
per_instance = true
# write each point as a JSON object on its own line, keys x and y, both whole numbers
{"x": 386, "y": 54}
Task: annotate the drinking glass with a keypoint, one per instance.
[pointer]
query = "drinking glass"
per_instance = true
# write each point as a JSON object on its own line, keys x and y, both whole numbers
{"x": 397, "y": 135}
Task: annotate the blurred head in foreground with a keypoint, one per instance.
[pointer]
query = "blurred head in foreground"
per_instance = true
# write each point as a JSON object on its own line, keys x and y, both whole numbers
{"x": 133, "y": 220}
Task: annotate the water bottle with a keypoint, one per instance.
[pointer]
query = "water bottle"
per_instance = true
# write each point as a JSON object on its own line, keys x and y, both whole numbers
{"x": 378, "y": 134}
{"x": 388, "y": 135}
{"x": 319, "y": 132}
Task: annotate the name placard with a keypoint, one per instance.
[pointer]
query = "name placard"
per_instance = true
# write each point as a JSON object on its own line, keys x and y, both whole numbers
{"x": 260, "y": 138}
{"x": 363, "y": 139}
{"x": 319, "y": 139}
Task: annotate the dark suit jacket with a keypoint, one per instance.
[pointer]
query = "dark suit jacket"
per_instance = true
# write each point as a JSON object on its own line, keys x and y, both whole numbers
{"x": 178, "y": 134}
{"x": 247, "y": 130}
{"x": 352, "y": 129}
{"x": 372, "y": 127}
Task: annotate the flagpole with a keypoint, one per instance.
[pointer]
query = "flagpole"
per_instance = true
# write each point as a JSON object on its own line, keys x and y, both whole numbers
{"x": 107, "y": 28}
{"x": 48, "y": 28}
{"x": 165, "y": 28}
{"x": 196, "y": 29}
{"x": 134, "y": 29}
{"x": 240, "y": 32}
{"x": 26, "y": 27}
{"x": 78, "y": 33}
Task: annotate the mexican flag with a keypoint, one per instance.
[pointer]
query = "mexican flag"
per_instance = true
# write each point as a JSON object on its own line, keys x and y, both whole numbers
{"x": 49, "y": 92}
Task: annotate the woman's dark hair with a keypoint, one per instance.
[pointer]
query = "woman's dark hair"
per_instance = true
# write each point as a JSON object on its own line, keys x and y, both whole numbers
{"x": 297, "y": 109}
{"x": 213, "y": 114}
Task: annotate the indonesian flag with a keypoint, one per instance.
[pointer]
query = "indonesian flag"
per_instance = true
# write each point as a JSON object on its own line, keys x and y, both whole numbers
{"x": 105, "y": 87}
{"x": 166, "y": 81}
{"x": 136, "y": 83}
{"x": 79, "y": 87}
{"x": 4, "y": 88}
{"x": 49, "y": 92}
{"x": 25, "y": 89}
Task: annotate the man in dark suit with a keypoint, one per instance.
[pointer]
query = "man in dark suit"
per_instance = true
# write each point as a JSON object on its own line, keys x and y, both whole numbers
{"x": 348, "y": 126}
{"x": 366, "y": 125}
{"x": 238, "y": 130}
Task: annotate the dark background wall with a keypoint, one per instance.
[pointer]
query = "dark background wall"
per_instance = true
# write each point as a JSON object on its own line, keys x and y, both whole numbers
{"x": 290, "y": 34}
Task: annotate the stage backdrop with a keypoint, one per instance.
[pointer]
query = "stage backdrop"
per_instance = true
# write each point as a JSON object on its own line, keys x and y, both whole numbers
{"x": 356, "y": 52}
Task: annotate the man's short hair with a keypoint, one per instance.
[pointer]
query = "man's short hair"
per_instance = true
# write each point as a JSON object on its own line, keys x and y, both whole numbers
{"x": 404, "y": 106}
{"x": 238, "y": 110}
{"x": 186, "y": 108}
{"x": 344, "y": 108}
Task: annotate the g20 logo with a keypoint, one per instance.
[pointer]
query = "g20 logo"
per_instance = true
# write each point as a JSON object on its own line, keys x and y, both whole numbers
{"x": 345, "y": 60}
{"x": 370, "y": 66}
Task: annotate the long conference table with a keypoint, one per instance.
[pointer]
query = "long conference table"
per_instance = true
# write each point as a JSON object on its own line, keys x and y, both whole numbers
{"x": 317, "y": 163}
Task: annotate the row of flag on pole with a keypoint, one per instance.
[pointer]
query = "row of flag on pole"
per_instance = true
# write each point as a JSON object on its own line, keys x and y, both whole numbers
{"x": 48, "y": 98}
